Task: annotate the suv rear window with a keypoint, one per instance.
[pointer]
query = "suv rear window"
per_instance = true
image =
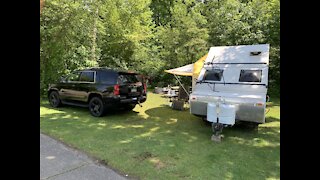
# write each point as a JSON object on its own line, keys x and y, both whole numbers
{"x": 213, "y": 75}
{"x": 107, "y": 77}
{"x": 250, "y": 76}
{"x": 127, "y": 78}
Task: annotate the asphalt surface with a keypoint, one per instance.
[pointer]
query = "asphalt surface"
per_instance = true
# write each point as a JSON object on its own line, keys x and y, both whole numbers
{"x": 59, "y": 162}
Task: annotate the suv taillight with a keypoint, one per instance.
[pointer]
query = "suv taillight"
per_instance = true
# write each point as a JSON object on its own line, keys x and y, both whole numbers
{"x": 116, "y": 89}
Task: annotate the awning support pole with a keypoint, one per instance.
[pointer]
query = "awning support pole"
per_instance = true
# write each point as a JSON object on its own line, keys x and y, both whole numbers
{"x": 181, "y": 85}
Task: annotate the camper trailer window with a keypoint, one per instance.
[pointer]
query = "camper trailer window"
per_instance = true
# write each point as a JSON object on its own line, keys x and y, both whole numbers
{"x": 250, "y": 76}
{"x": 213, "y": 75}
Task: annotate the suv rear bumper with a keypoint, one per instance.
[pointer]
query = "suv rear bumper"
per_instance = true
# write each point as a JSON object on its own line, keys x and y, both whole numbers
{"x": 134, "y": 100}
{"x": 131, "y": 100}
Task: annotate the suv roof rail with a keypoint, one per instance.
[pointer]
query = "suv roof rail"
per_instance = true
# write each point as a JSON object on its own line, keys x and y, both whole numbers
{"x": 109, "y": 68}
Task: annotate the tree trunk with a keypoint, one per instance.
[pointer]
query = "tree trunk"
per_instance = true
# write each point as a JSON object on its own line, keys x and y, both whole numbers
{"x": 94, "y": 38}
{"x": 41, "y": 5}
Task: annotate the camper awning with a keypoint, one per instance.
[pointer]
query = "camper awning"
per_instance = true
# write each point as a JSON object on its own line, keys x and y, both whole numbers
{"x": 186, "y": 70}
{"x": 190, "y": 69}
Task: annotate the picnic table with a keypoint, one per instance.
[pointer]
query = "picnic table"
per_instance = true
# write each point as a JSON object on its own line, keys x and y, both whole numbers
{"x": 171, "y": 93}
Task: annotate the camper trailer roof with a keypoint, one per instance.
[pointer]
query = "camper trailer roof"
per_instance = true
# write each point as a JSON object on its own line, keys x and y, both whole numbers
{"x": 243, "y": 54}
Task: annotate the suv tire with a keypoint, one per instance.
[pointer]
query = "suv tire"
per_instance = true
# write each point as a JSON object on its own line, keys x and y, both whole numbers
{"x": 54, "y": 99}
{"x": 96, "y": 107}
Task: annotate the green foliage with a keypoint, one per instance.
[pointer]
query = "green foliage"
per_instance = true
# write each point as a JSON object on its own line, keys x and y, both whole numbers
{"x": 183, "y": 39}
{"x": 232, "y": 22}
{"x": 150, "y": 36}
{"x": 161, "y": 11}
{"x": 65, "y": 43}
{"x": 125, "y": 41}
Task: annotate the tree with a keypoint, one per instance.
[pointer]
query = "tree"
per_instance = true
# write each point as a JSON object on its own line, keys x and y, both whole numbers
{"x": 65, "y": 43}
{"x": 161, "y": 11}
{"x": 184, "y": 39}
{"x": 41, "y": 5}
{"x": 150, "y": 36}
{"x": 233, "y": 22}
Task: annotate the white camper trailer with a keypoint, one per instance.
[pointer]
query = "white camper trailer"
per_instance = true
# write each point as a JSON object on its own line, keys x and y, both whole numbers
{"x": 232, "y": 85}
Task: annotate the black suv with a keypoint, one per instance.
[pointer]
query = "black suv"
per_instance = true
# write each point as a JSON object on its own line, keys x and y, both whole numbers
{"x": 99, "y": 89}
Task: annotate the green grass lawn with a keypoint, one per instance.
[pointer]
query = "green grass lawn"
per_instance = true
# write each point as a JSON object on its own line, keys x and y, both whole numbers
{"x": 156, "y": 142}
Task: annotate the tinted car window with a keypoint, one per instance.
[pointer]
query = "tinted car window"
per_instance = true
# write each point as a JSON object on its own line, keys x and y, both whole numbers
{"x": 107, "y": 77}
{"x": 141, "y": 78}
{"x": 73, "y": 76}
{"x": 213, "y": 75}
{"x": 250, "y": 76}
{"x": 87, "y": 76}
{"x": 127, "y": 78}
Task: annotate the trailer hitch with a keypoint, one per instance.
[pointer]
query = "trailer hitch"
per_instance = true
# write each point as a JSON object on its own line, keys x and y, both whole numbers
{"x": 217, "y": 130}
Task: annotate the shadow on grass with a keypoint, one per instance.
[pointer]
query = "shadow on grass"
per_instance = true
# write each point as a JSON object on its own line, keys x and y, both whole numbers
{"x": 169, "y": 135}
{"x": 164, "y": 119}
{"x": 272, "y": 119}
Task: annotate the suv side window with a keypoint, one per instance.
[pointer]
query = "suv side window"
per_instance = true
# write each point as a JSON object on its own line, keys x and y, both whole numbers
{"x": 73, "y": 77}
{"x": 250, "y": 76}
{"x": 87, "y": 76}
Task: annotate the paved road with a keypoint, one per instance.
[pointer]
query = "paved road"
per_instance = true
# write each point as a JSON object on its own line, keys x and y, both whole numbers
{"x": 58, "y": 162}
